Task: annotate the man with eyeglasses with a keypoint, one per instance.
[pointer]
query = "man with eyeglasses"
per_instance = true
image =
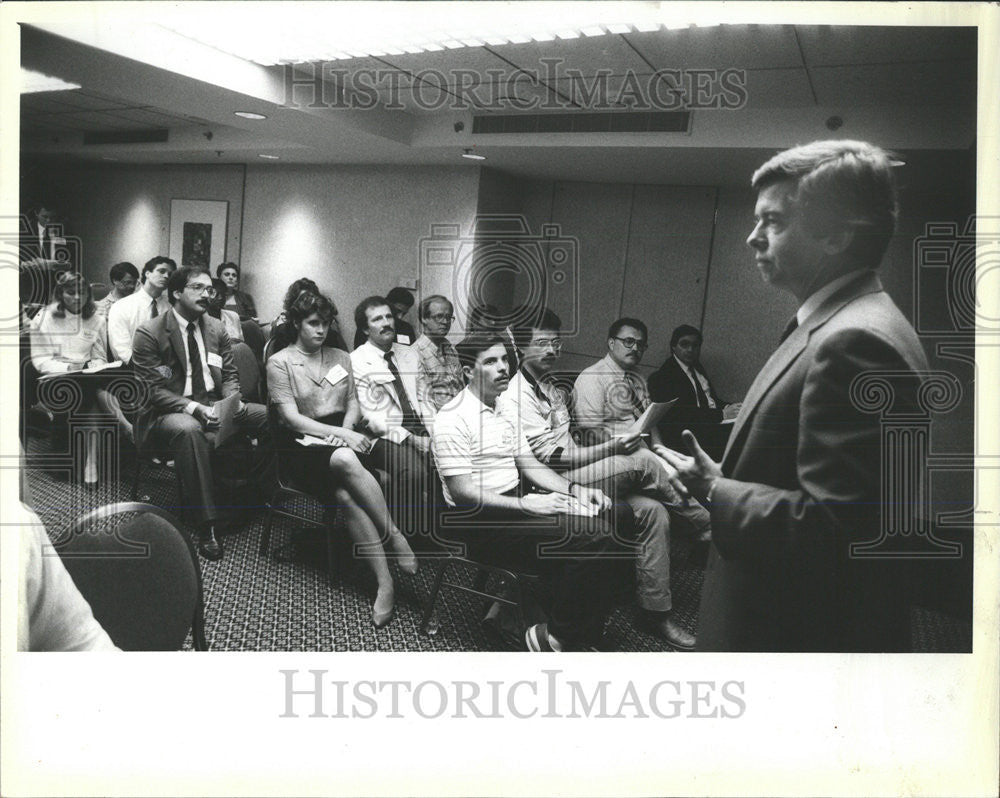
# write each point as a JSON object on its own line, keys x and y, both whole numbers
{"x": 611, "y": 395}
{"x": 124, "y": 278}
{"x": 439, "y": 374}
{"x": 184, "y": 357}
{"x": 619, "y": 466}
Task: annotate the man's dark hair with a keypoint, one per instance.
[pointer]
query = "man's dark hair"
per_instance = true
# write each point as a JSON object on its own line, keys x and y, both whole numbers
{"x": 179, "y": 279}
{"x": 626, "y": 321}
{"x": 307, "y": 304}
{"x": 227, "y": 265}
{"x": 682, "y": 331}
{"x": 152, "y": 263}
{"x": 400, "y": 295}
{"x": 475, "y": 344}
{"x": 840, "y": 183}
{"x": 361, "y": 311}
{"x": 543, "y": 319}
{"x": 121, "y": 270}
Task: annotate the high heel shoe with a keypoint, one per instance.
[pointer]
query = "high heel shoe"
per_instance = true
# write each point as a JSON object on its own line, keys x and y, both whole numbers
{"x": 384, "y": 607}
{"x": 405, "y": 557}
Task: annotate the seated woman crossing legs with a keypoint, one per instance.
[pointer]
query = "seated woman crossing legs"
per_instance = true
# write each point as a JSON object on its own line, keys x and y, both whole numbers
{"x": 311, "y": 389}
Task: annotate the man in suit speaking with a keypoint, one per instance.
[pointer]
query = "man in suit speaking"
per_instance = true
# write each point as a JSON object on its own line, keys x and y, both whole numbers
{"x": 800, "y": 480}
{"x": 185, "y": 359}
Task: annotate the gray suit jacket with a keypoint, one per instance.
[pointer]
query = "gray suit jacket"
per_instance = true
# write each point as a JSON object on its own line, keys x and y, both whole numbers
{"x": 160, "y": 366}
{"x": 802, "y": 481}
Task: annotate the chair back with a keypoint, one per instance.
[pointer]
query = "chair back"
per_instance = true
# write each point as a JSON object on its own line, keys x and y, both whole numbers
{"x": 248, "y": 370}
{"x": 140, "y": 574}
{"x": 253, "y": 336}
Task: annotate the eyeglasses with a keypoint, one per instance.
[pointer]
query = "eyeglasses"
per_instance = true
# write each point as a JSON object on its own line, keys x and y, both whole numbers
{"x": 632, "y": 343}
{"x": 544, "y": 343}
{"x": 444, "y": 318}
{"x": 201, "y": 288}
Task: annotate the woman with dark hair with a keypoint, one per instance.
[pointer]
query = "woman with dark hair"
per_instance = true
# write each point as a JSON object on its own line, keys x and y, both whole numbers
{"x": 69, "y": 335}
{"x": 283, "y": 333}
{"x": 311, "y": 390}
{"x": 239, "y": 301}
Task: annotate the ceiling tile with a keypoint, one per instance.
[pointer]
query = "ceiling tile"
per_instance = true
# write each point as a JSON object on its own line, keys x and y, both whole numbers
{"x": 774, "y": 88}
{"x": 85, "y": 100}
{"x": 722, "y": 47}
{"x": 827, "y": 45}
{"x": 939, "y": 83}
{"x": 477, "y": 61}
{"x": 586, "y": 55}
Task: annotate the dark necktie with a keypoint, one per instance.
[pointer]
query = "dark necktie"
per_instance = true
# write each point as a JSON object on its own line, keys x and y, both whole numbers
{"x": 698, "y": 390}
{"x": 194, "y": 355}
{"x": 635, "y": 393}
{"x": 410, "y": 419}
{"x": 156, "y": 311}
{"x": 789, "y": 329}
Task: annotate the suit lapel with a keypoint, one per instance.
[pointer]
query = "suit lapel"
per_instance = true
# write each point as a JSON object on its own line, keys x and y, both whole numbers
{"x": 789, "y": 351}
{"x": 176, "y": 341}
{"x": 209, "y": 334}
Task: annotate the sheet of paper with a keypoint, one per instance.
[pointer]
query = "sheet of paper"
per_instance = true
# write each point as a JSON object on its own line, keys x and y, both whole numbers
{"x": 651, "y": 416}
{"x": 225, "y": 409}
{"x": 114, "y": 364}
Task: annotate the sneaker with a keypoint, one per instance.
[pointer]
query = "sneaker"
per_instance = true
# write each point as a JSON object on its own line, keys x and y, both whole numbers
{"x": 538, "y": 639}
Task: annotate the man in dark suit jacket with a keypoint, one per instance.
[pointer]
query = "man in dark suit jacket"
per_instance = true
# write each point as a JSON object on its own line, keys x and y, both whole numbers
{"x": 185, "y": 360}
{"x": 44, "y": 254}
{"x": 800, "y": 481}
{"x": 697, "y": 406}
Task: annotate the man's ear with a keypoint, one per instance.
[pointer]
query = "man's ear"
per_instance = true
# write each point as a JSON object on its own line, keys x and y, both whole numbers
{"x": 838, "y": 241}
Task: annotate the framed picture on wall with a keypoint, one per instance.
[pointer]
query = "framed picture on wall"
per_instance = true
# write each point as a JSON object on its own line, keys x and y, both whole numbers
{"x": 198, "y": 232}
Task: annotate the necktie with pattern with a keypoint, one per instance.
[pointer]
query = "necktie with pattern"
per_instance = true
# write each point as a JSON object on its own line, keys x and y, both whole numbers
{"x": 194, "y": 356}
{"x": 411, "y": 420}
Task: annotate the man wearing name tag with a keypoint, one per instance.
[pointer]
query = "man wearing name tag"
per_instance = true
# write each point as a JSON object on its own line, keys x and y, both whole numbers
{"x": 385, "y": 376}
{"x": 185, "y": 359}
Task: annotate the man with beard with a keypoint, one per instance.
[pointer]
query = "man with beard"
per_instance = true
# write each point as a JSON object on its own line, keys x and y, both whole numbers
{"x": 185, "y": 359}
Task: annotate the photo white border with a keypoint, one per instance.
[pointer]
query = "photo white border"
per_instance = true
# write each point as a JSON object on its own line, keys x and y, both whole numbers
{"x": 208, "y": 724}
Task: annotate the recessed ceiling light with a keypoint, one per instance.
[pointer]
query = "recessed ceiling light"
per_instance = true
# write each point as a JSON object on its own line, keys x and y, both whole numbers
{"x": 268, "y": 157}
{"x": 249, "y": 115}
{"x": 472, "y": 156}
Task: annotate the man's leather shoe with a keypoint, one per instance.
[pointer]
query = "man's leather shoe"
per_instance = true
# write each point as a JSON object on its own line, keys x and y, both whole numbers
{"x": 663, "y": 625}
{"x": 208, "y": 546}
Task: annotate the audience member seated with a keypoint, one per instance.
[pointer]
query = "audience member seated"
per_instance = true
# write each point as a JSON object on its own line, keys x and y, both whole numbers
{"x": 43, "y": 256}
{"x": 185, "y": 359}
{"x": 401, "y": 300}
{"x": 69, "y": 335}
{"x": 611, "y": 395}
{"x": 439, "y": 375}
{"x": 283, "y": 333}
{"x": 698, "y": 408}
{"x": 385, "y": 374}
{"x": 311, "y": 386}
{"x": 147, "y": 302}
{"x": 566, "y": 532}
{"x": 488, "y": 318}
{"x": 229, "y": 318}
{"x": 620, "y": 467}
{"x": 234, "y": 299}
{"x": 52, "y": 615}
{"x": 124, "y": 278}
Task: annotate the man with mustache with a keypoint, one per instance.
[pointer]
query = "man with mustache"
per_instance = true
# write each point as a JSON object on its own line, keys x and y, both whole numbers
{"x": 385, "y": 376}
{"x": 185, "y": 359}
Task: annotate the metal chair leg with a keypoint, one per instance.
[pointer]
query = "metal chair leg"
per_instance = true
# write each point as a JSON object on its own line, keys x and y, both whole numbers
{"x": 432, "y": 598}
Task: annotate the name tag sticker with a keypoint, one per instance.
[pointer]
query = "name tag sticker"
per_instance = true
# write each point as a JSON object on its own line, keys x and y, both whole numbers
{"x": 88, "y": 335}
{"x": 403, "y": 339}
{"x": 335, "y": 375}
{"x": 215, "y": 359}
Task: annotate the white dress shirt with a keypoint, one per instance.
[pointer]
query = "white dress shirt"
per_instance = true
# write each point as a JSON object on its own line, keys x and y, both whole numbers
{"x": 200, "y": 340}
{"x": 694, "y": 374}
{"x": 125, "y": 316}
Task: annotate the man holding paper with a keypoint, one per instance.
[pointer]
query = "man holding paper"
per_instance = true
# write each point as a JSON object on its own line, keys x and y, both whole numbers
{"x": 185, "y": 360}
{"x": 612, "y": 402}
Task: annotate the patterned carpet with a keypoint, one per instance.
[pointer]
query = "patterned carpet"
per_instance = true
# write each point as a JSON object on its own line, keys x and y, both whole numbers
{"x": 289, "y": 602}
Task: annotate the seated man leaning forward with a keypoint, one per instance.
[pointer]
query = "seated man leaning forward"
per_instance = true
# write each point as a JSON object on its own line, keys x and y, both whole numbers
{"x": 611, "y": 395}
{"x": 385, "y": 374}
{"x": 623, "y": 469}
{"x": 185, "y": 360}
{"x": 568, "y": 533}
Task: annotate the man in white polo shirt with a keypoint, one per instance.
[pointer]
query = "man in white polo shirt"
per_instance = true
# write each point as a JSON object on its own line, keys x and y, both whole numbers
{"x": 569, "y": 533}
